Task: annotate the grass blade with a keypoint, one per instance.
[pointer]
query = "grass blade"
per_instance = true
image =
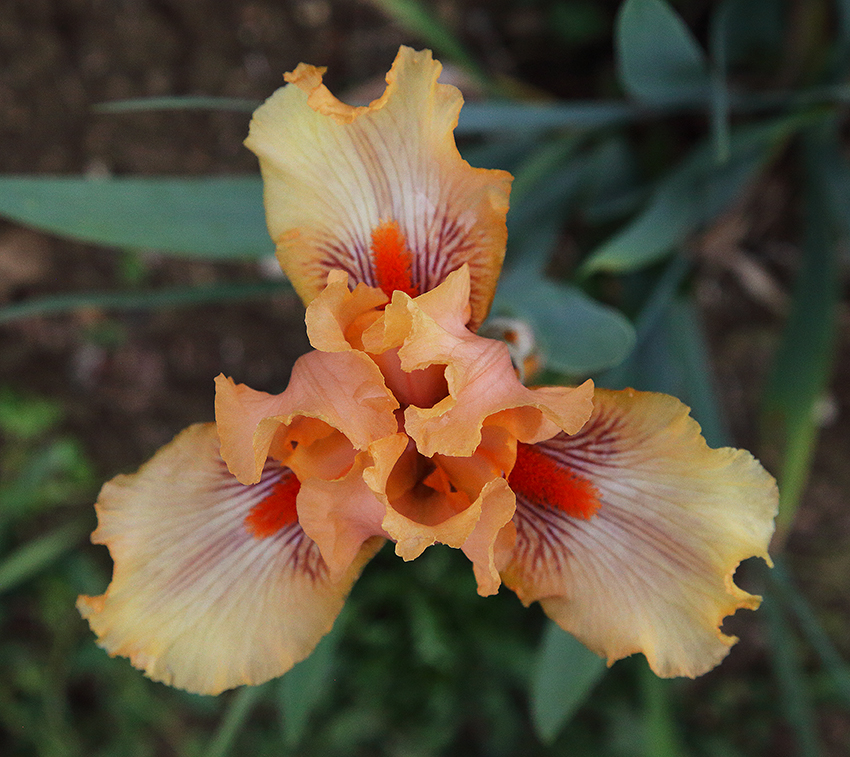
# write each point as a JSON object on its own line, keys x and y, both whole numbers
{"x": 151, "y": 299}
{"x": 38, "y": 554}
{"x": 238, "y": 711}
{"x": 178, "y": 102}
{"x": 803, "y": 363}
{"x": 794, "y": 696}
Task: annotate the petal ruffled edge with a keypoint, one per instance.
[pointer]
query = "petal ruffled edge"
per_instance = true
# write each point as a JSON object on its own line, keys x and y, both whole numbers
{"x": 483, "y": 387}
{"x": 344, "y": 390}
{"x": 652, "y": 570}
{"x": 198, "y": 601}
{"x": 335, "y": 174}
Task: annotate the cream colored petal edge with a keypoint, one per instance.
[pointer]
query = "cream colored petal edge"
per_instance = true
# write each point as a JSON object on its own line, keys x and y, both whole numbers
{"x": 195, "y": 600}
{"x": 652, "y": 571}
{"x": 344, "y": 389}
{"x": 333, "y": 173}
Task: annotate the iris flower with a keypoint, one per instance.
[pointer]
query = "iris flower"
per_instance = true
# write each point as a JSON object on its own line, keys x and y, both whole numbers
{"x": 236, "y": 545}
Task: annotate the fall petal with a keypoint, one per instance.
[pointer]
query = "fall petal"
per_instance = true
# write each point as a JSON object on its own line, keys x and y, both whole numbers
{"x": 344, "y": 390}
{"x": 342, "y": 181}
{"x": 649, "y": 565}
{"x": 197, "y": 599}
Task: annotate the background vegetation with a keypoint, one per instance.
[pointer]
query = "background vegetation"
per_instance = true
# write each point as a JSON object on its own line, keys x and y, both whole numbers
{"x": 679, "y": 222}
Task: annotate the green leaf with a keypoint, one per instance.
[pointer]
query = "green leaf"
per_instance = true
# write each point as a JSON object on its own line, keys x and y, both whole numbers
{"x": 179, "y": 102}
{"x": 659, "y": 61}
{"x": 305, "y": 686}
{"x": 662, "y": 736}
{"x": 794, "y": 696}
{"x": 218, "y": 217}
{"x": 577, "y": 334}
{"x": 239, "y": 709}
{"x": 35, "y": 556}
{"x": 494, "y": 117}
{"x": 794, "y": 599}
{"x": 565, "y": 673}
{"x": 803, "y": 364}
{"x": 154, "y": 298}
{"x": 418, "y": 18}
{"x": 690, "y": 196}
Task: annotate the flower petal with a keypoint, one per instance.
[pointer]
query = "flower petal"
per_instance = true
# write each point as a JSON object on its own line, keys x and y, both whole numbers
{"x": 482, "y": 384}
{"x": 649, "y": 567}
{"x": 344, "y": 390}
{"x": 342, "y": 514}
{"x": 204, "y": 596}
{"x": 342, "y": 183}
{"x": 337, "y": 317}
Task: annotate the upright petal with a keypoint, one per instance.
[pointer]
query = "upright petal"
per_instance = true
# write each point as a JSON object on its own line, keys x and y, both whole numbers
{"x": 215, "y": 584}
{"x": 337, "y": 317}
{"x": 344, "y": 390}
{"x": 378, "y": 191}
{"x": 482, "y": 383}
{"x": 637, "y": 550}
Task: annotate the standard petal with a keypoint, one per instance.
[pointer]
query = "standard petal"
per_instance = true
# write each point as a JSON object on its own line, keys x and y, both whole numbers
{"x": 337, "y": 317}
{"x": 344, "y": 390}
{"x": 347, "y": 188}
{"x": 640, "y": 553}
{"x": 215, "y": 584}
{"x": 482, "y": 383}
{"x": 340, "y": 515}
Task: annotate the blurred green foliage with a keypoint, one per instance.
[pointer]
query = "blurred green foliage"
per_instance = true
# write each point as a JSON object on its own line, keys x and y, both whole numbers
{"x": 418, "y": 664}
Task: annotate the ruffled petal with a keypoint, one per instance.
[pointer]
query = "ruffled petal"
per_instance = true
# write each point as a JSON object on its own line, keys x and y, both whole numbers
{"x": 337, "y": 317}
{"x": 342, "y": 514}
{"x": 215, "y": 585}
{"x": 348, "y": 186}
{"x": 344, "y": 390}
{"x": 482, "y": 384}
{"x": 640, "y": 554}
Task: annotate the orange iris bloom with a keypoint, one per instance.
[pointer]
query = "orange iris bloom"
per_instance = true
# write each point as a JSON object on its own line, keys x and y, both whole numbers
{"x": 236, "y": 545}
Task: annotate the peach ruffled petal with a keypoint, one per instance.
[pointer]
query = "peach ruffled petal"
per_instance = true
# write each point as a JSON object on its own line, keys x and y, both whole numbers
{"x": 651, "y": 570}
{"x": 344, "y": 390}
{"x": 490, "y": 542}
{"x": 482, "y": 384}
{"x": 341, "y": 515}
{"x": 335, "y": 175}
{"x": 337, "y": 316}
{"x": 196, "y": 600}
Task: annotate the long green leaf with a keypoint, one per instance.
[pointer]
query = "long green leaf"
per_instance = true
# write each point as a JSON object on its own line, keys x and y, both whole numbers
{"x": 220, "y": 217}
{"x": 494, "y": 117}
{"x": 156, "y": 298}
{"x": 301, "y": 690}
{"x": 36, "y": 555}
{"x": 658, "y": 59}
{"x": 578, "y": 335}
{"x": 565, "y": 673}
{"x": 239, "y": 709}
{"x": 418, "y": 18}
{"x": 661, "y": 734}
{"x": 835, "y": 665}
{"x": 690, "y": 196}
{"x": 803, "y": 364}
{"x": 794, "y": 697}
{"x": 178, "y": 102}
